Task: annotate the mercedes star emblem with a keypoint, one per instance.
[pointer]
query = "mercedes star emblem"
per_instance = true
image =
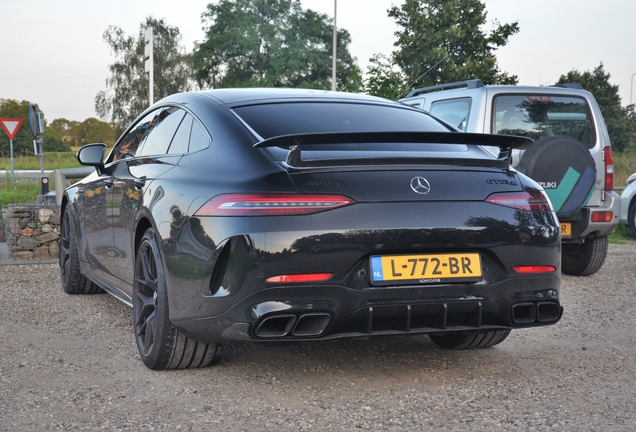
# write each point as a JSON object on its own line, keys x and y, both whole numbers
{"x": 420, "y": 185}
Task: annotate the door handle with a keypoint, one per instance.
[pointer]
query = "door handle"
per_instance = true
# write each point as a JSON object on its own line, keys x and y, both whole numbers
{"x": 140, "y": 182}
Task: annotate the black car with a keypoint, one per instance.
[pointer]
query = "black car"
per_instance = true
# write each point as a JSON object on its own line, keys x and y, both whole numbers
{"x": 289, "y": 215}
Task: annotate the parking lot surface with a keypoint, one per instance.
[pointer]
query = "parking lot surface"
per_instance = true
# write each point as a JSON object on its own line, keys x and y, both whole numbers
{"x": 70, "y": 363}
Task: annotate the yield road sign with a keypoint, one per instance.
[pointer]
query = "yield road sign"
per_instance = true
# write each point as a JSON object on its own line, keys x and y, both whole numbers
{"x": 11, "y": 126}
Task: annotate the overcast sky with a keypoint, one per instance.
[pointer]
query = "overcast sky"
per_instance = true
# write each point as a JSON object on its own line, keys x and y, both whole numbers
{"x": 52, "y": 52}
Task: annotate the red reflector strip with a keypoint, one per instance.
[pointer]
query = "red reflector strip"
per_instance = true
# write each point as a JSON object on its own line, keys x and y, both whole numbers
{"x": 602, "y": 216}
{"x": 534, "y": 269}
{"x": 271, "y": 204}
{"x": 296, "y": 278}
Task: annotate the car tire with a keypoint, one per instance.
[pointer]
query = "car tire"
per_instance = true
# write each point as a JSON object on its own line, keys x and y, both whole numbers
{"x": 566, "y": 169}
{"x": 73, "y": 281}
{"x": 161, "y": 345}
{"x": 584, "y": 259}
{"x": 462, "y": 342}
{"x": 631, "y": 218}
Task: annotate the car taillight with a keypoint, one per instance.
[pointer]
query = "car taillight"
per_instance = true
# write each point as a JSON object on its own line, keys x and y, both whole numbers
{"x": 602, "y": 216}
{"x": 609, "y": 169}
{"x": 271, "y": 204}
{"x": 535, "y": 269}
{"x": 529, "y": 201}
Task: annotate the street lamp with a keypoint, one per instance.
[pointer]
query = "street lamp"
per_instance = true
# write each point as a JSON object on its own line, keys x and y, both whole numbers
{"x": 631, "y": 88}
{"x": 335, "y": 40}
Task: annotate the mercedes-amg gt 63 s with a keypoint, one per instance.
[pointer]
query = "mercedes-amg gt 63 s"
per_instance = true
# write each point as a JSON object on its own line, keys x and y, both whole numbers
{"x": 295, "y": 215}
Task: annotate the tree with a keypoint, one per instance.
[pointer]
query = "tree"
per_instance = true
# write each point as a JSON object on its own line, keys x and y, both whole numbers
{"x": 384, "y": 79}
{"x": 127, "y": 95}
{"x": 442, "y": 41}
{"x": 620, "y": 121}
{"x": 272, "y": 43}
{"x": 23, "y": 141}
{"x": 77, "y": 133}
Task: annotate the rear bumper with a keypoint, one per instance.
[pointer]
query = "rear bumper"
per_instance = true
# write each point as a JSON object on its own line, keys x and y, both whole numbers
{"x": 582, "y": 225}
{"x": 330, "y": 312}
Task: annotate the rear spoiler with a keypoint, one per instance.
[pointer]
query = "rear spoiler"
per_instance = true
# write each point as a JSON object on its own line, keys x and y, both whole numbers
{"x": 294, "y": 143}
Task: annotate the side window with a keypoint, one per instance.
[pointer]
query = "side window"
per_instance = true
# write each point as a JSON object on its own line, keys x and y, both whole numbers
{"x": 537, "y": 116}
{"x": 199, "y": 138}
{"x": 165, "y": 127}
{"x": 128, "y": 145}
{"x": 453, "y": 111}
{"x": 181, "y": 139}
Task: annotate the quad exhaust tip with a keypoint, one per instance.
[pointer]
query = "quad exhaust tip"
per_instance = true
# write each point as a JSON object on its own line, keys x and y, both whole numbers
{"x": 303, "y": 325}
{"x": 527, "y": 313}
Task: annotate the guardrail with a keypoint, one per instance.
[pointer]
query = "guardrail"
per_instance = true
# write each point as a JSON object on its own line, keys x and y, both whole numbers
{"x": 61, "y": 175}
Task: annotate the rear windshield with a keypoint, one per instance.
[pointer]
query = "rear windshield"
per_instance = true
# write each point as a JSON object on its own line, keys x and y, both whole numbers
{"x": 538, "y": 116}
{"x": 278, "y": 119}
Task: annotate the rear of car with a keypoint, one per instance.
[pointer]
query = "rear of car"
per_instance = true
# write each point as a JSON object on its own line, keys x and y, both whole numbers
{"x": 571, "y": 160}
{"x": 386, "y": 222}
{"x": 287, "y": 215}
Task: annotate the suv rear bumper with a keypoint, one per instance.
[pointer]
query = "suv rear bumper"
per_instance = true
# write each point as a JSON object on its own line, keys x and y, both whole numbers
{"x": 582, "y": 225}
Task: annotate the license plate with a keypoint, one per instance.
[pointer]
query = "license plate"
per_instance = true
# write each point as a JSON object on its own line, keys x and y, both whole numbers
{"x": 566, "y": 229}
{"x": 429, "y": 268}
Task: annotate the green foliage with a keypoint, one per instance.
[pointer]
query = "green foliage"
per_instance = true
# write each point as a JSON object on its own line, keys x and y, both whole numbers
{"x": 77, "y": 133}
{"x": 22, "y": 192}
{"x": 442, "y": 41}
{"x": 272, "y": 43}
{"x": 620, "y": 121}
{"x": 52, "y": 160}
{"x": 383, "y": 79}
{"x": 624, "y": 166}
{"x": 622, "y": 235}
{"x": 127, "y": 95}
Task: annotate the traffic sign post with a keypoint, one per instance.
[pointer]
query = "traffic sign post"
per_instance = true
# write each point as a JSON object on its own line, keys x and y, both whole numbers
{"x": 36, "y": 123}
{"x": 11, "y": 127}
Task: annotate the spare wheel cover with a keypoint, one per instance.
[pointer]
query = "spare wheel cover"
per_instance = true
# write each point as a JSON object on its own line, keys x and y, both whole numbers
{"x": 565, "y": 169}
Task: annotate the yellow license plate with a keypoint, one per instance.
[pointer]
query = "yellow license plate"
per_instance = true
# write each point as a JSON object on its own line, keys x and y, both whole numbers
{"x": 566, "y": 229}
{"x": 427, "y": 268}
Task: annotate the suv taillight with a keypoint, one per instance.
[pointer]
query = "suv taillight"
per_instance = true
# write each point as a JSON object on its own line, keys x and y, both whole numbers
{"x": 609, "y": 169}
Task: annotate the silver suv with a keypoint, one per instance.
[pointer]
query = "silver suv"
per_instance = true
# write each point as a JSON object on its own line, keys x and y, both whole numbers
{"x": 571, "y": 157}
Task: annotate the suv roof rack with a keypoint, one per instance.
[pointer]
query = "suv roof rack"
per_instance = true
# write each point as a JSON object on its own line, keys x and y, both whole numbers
{"x": 468, "y": 84}
{"x": 570, "y": 85}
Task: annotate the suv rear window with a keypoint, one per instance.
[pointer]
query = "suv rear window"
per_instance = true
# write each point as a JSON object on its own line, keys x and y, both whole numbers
{"x": 453, "y": 111}
{"x": 538, "y": 116}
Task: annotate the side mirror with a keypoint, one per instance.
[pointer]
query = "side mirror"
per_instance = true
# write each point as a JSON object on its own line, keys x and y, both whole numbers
{"x": 92, "y": 155}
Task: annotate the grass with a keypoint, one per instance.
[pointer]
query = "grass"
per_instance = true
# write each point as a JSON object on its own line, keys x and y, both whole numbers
{"x": 52, "y": 160}
{"x": 26, "y": 191}
{"x": 624, "y": 166}
{"x": 22, "y": 192}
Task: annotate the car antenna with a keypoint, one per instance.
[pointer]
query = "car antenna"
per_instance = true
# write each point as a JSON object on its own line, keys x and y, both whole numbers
{"x": 430, "y": 69}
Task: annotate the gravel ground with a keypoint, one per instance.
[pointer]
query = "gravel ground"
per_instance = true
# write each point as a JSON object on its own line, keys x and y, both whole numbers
{"x": 70, "y": 363}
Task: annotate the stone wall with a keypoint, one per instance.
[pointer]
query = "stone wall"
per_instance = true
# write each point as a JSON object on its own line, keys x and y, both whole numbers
{"x": 33, "y": 231}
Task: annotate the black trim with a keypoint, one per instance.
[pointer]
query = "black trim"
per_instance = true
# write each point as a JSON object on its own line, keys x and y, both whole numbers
{"x": 294, "y": 143}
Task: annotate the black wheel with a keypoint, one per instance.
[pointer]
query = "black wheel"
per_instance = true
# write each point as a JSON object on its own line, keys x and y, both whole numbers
{"x": 73, "y": 281}
{"x": 161, "y": 345}
{"x": 461, "y": 342}
{"x": 584, "y": 259}
{"x": 632, "y": 218}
